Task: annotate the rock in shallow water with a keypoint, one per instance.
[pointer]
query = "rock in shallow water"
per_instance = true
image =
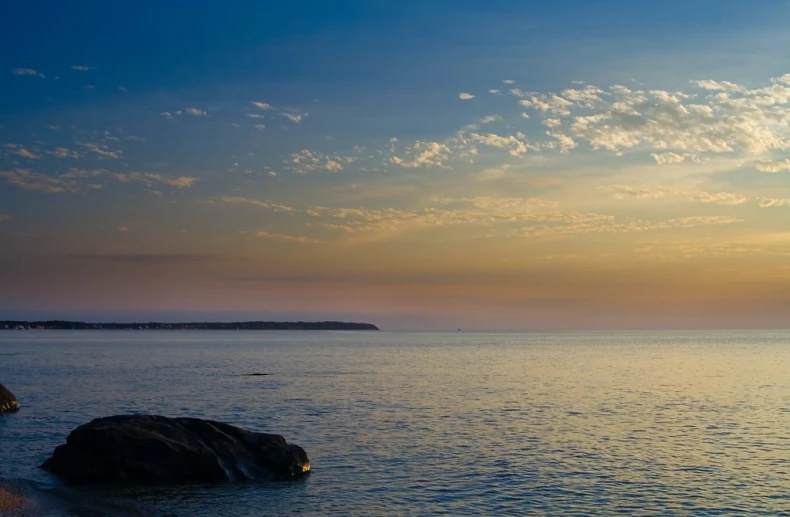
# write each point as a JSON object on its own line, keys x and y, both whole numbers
{"x": 8, "y": 402}
{"x": 148, "y": 449}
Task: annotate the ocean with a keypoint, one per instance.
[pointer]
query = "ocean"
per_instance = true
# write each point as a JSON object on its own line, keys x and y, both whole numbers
{"x": 461, "y": 423}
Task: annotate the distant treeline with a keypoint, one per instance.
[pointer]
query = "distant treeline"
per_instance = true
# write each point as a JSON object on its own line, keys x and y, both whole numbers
{"x": 153, "y": 325}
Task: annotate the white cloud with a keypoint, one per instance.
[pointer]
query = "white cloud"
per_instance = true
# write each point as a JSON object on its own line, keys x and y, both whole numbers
{"x": 662, "y": 120}
{"x": 260, "y": 127}
{"x": 307, "y": 161}
{"x": 423, "y": 154}
{"x": 150, "y": 179}
{"x": 561, "y": 142}
{"x": 254, "y": 115}
{"x": 765, "y": 202}
{"x": 494, "y": 92}
{"x": 21, "y": 151}
{"x": 516, "y": 145}
{"x": 82, "y": 68}
{"x": 27, "y": 71}
{"x": 296, "y": 118}
{"x": 509, "y": 81}
{"x": 261, "y": 105}
{"x": 195, "y": 112}
{"x": 586, "y": 97}
{"x": 547, "y": 103}
{"x": 773, "y": 166}
{"x": 465, "y": 96}
{"x": 673, "y": 126}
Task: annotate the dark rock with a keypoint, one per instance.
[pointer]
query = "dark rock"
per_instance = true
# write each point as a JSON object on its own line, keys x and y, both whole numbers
{"x": 148, "y": 449}
{"x": 8, "y": 402}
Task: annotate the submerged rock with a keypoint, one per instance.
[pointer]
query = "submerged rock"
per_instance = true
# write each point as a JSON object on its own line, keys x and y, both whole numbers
{"x": 8, "y": 402}
{"x": 9, "y": 502}
{"x": 147, "y": 449}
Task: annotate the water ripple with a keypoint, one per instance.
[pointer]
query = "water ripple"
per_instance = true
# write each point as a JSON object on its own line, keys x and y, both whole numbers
{"x": 424, "y": 424}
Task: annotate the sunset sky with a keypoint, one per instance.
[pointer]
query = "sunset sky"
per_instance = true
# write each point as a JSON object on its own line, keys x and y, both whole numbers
{"x": 415, "y": 164}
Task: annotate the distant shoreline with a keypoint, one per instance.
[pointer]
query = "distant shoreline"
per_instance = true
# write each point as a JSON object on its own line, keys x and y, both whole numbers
{"x": 206, "y": 325}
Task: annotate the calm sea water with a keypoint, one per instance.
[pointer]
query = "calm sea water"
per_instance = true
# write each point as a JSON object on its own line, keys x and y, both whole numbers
{"x": 672, "y": 423}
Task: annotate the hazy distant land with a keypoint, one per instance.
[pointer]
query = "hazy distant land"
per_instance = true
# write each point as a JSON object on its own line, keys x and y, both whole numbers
{"x": 206, "y": 325}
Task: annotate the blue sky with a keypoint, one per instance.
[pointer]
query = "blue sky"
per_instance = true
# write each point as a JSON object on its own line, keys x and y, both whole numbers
{"x": 421, "y": 161}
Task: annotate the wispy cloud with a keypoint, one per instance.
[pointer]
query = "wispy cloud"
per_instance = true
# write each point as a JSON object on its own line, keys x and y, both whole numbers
{"x": 237, "y": 200}
{"x": 766, "y": 202}
{"x": 21, "y": 151}
{"x": 83, "y": 68}
{"x": 63, "y": 152}
{"x": 71, "y": 181}
{"x": 150, "y": 179}
{"x": 151, "y": 259}
{"x": 286, "y": 238}
{"x": 101, "y": 150}
{"x": 674, "y": 158}
{"x": 261, "y": 105}
{"x": 719, "y": 198}
{"x": 465, "y": 96}
{"x": 195, "y": 112}
{"x": 773, "y": 166}
{"x": 27, "y": 71}
{"x": 629, "y": 225}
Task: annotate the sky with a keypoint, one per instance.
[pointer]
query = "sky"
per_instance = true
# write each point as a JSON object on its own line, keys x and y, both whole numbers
{"x": 428, "y": 165}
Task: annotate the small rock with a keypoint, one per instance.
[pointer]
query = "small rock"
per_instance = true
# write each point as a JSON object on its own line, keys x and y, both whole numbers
{"x": 8, "y": 402}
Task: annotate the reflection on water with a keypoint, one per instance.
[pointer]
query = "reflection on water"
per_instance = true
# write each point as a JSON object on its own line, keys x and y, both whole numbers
{"x": 675, "y": 423}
